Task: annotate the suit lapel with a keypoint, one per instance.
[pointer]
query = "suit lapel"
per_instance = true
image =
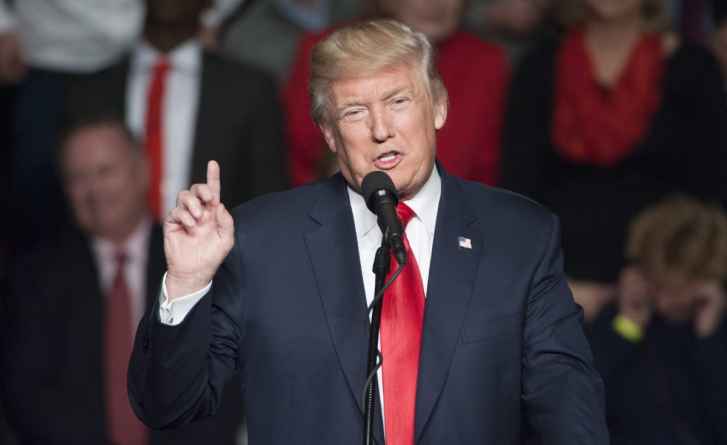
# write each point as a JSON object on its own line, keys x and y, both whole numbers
{"x": 451, "y": 280}
{"x": 334, "y": 256}
{"x": 333, "y": 252}
{"x": 84, "y": 284}
{"x": 81, "y": 283}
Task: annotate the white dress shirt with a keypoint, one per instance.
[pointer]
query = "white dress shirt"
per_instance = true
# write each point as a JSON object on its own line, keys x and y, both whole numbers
{"x": 179, "y": 109}
{"x": 419, "y": 231}
{"x": 136, "y": 249}
{"x": 71, "y": 35}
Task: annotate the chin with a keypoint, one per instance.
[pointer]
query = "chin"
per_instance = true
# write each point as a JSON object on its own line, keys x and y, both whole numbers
{"x": 398, "y": 179}
{"x": 407, "y": 190}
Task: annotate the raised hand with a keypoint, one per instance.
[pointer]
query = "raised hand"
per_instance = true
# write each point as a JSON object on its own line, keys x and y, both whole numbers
{"x": 198, "y": 234}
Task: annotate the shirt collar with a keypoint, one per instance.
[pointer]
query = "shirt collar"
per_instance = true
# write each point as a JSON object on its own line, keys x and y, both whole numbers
{"x": 424, "y": 204}
{"x": 135, "y": 246}
{"x": 186, "y": 57}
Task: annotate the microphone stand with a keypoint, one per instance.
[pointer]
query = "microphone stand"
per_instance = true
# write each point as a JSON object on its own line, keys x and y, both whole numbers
{"x": 381, "y": 270}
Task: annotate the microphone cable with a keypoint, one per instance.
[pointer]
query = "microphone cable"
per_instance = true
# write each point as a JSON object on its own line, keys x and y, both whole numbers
{"x": 380, "y": 357}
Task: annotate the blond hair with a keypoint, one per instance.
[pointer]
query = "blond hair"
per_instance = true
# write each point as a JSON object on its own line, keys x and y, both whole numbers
{"x": 680, "y": 235}
{"x": 365, "y": 48}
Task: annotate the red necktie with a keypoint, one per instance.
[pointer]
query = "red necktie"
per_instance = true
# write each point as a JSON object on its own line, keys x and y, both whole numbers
{"x": 123, "y": 426}
{"x": 155, "y": 135}
{"x": 402, "y": 315}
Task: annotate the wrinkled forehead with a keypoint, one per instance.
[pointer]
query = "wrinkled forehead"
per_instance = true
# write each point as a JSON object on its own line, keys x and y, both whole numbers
{"x": 384, "y": 80}
{"x": 101, "y": 144}
{"x": 378, "y": 84}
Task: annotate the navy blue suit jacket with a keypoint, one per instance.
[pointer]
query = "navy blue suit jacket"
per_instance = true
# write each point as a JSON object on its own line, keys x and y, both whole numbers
{"x": 503, "y": 350}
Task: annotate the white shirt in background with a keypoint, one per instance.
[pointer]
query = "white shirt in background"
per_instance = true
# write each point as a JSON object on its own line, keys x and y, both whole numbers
{"x": 82, "y": 36}
{"x": 71, "y": 35}
{"x": 179, "y": 110}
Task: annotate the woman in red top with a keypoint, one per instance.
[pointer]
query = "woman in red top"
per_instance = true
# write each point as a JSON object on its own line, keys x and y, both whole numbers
{"x": 607, "y": 120}
{"x": 474, "y": 72}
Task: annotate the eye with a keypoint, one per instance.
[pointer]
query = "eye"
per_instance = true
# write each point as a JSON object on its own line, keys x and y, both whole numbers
{"x": 353, "y": 113}
{"x": 400, "y": 102}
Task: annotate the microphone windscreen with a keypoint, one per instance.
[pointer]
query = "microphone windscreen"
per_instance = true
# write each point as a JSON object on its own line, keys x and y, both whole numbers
{"x": 372, "y": 183}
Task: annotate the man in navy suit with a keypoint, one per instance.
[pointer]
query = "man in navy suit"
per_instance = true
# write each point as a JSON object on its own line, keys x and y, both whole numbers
{"x": 279, "y": 293}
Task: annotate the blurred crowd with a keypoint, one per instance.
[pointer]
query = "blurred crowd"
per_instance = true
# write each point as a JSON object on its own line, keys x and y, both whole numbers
{"x": 611, "y": 113}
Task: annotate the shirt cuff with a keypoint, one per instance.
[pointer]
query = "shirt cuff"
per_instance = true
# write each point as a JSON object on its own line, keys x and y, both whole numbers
{"x": 173, "y": 312}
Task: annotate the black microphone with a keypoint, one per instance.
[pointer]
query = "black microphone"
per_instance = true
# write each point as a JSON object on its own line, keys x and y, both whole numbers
{"x": 381, "y": 198}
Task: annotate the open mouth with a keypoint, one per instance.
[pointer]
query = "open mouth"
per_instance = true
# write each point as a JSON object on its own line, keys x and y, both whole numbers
{"x": 388, "y": 160}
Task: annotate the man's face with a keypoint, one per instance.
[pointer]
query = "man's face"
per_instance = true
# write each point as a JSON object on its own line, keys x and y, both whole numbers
{"x": 106, "y": 181}
{"x": 386, "y": 121}
{"x": 437, "y": 19}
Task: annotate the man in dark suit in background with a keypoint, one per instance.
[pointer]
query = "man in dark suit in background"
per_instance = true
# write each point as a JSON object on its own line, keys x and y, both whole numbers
{"x": 479, "y": 334}
{"x": 189, "y": 105}
{"x": 74, "y": 305}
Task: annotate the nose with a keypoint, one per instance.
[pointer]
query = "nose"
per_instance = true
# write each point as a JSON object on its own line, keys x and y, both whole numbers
{"x": 381, "y": 129}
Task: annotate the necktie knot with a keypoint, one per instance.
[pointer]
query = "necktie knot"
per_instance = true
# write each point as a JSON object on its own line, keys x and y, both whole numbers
{"x": 161, "y": 66}
{"x": 405, "y": 213}
{"x": 120, "y": 258}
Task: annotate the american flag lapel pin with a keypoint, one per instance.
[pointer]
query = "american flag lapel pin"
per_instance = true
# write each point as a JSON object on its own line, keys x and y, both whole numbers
{"x": 464, "y": 243}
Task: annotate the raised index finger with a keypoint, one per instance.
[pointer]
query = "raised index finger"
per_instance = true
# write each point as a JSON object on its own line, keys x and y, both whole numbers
{"x": 213, "y": 179}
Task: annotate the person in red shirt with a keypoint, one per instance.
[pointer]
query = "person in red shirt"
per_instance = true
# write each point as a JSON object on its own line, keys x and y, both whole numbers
{"x": 475, "y": 74}
{"x": 606, "y": 120}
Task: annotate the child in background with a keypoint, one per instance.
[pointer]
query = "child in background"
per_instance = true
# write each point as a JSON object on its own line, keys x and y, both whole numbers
{"x": 661, "y": 347}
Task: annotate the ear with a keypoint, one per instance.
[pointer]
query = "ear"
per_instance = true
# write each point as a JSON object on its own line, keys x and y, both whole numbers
{"x": 329, "y": 135}
{"x": 440, "y": 113}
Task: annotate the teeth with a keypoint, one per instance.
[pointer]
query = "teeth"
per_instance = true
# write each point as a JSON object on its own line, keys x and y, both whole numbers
{"x": 388, "y": 156}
